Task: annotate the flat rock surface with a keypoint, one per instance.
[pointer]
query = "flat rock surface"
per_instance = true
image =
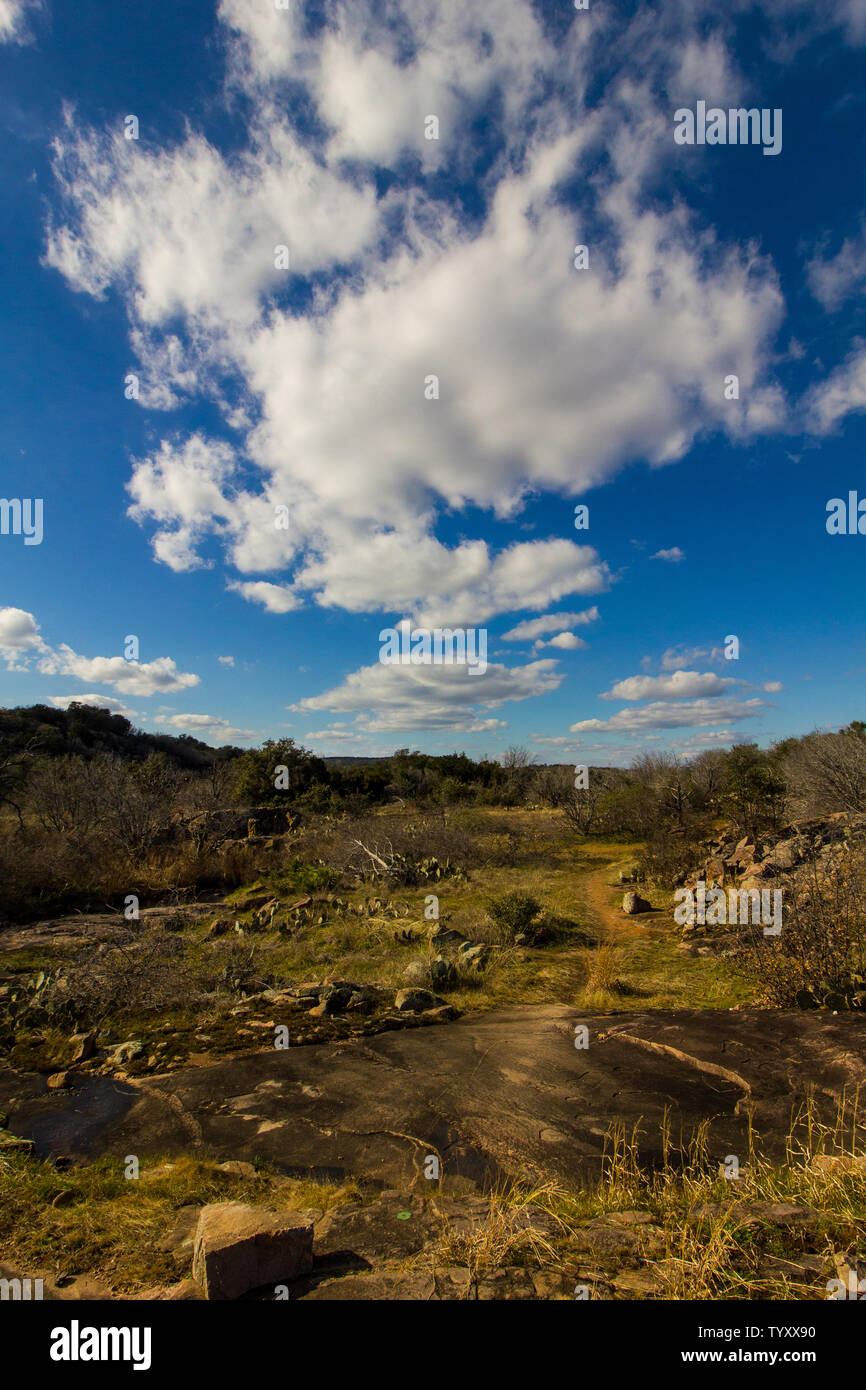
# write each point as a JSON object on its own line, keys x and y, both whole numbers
{"x": 503, "y": 1092}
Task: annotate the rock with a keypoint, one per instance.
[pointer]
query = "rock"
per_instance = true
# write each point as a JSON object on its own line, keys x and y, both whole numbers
{"x": 417, "y": 972}
{"x": 510, "y": 1282}
{"x": 742, "y": 853}
{"x": 474, "y": 956}
{"x": 83, "y": 1047}
{"x": 641, "y": 1282}
{"x": 333, "y": 999}
{"x": 416, "y": 1000}
{"x": 612, "y": 1240}
{"x": 239, "y": 1248}
{"x": 389, "y": 1228}
{"x": 59, "y": 1081}
{"x": 714, "y": 873}
{"x": 238, "y": 1169}
{"x": 839, "y": 1163}
{"x": 756, "y": 871}
{"x": 443, "y": 974}
{"x": 179, "y": 1242}
{"x": 633, "y": 902}
{"x": 803, "y": 1269}
{"x": 553, "y": 1284}
{"x": 219, "y": 927}
{"x": 187, "y": 1291}
{"x": 364, "y": 999}
{"x": 783, "y": 1214}
{"x": 389, "y": 1284}
{"x": 127, "y": 1052}
{"x": 447, "y": 937}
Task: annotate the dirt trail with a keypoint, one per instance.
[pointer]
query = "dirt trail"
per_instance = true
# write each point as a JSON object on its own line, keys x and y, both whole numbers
{"x": 603, "y": 901}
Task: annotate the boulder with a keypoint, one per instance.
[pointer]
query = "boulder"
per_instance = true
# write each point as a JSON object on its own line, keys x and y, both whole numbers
{"x": 416, "y": 1000}
{"x": 788, "y": 853}
{"x": 417, "y": 972}
{"x": 83, "y": 1047}
{"x": 239, "y": 1248}
{"x": 59, "y": 1081}
{"x": 633, "y": 902}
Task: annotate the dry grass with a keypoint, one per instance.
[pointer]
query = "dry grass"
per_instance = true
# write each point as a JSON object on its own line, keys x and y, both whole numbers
{"x": 722, "y": 1253}
{"x": 110, "y": 1228}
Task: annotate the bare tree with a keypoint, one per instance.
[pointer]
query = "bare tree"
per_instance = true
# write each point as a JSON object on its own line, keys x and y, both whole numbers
{"x": 514, "y": 759}
{"x": 14, "y": 765}
{"x": 827, "y": 773}
{"x": 558, "y": 787}
{"x": 69, "y": 796}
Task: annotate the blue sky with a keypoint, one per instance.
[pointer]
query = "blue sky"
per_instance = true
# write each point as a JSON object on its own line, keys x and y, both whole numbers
{"x": 303, "y": 387}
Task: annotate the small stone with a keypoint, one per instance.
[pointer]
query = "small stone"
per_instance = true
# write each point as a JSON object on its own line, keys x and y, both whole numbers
{"x": 238, "y": 1169}
{"x": 59, "y": 1081}
{"x": 633, "y": 902}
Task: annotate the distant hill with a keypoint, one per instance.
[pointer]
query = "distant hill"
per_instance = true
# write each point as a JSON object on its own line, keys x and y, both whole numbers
{"x": 85, "y": 730}
{"x": 346, "y": 761}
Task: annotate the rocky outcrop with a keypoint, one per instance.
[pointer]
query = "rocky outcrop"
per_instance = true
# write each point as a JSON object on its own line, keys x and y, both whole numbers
{"x": 769, "y": 861}
{"x": 500, "y": 1093}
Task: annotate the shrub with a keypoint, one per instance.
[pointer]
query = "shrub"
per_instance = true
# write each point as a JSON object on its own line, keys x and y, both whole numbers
{"x": 819, "y": 958}
{"x": 513, "y": 913}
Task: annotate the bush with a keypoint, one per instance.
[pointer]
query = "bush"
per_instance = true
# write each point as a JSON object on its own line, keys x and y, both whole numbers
{"x": 667, "y": 859}
{"x": 513, "y": 913}
{"x": 819, "y": 959}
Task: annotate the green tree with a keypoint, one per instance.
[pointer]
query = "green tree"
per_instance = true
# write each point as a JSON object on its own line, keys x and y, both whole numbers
{"x": 259, "y": 781}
